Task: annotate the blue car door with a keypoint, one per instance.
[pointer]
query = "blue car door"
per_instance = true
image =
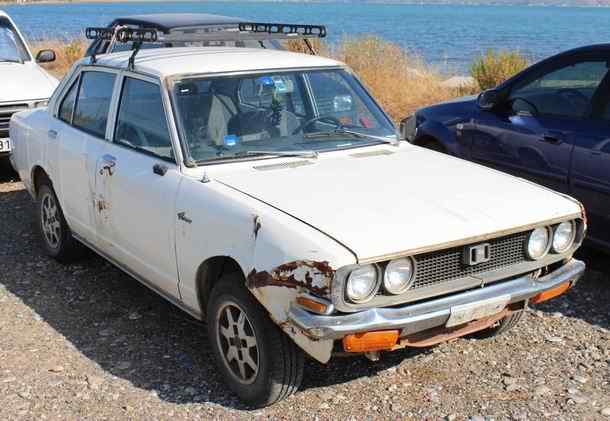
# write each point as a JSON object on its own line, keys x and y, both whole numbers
{"x": 532, "y": 134}
{"x": 590, "y": 176}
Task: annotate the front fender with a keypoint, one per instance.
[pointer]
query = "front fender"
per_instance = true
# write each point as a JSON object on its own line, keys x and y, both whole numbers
{"x": 280, "y": 256}
{"x": 440, "y": 132}
{"x": 292, "y": 259}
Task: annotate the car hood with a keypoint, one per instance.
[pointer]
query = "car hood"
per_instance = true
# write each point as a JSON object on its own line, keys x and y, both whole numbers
{"x": 382, "y": 203}
{"x": 23, "y": 82}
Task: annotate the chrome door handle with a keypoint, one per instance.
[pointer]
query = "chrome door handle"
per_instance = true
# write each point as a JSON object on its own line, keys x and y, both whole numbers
{"x": 52, "y": 134}
{"x": 108, "y": 164}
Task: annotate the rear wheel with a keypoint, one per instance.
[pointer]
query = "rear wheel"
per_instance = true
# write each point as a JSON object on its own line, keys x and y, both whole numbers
{"x": 501, "y": 326}
{"x": 56, "y": 235}
{"x": 257, "y": 360}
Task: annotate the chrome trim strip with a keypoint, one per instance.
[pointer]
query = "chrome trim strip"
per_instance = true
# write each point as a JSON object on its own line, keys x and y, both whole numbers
{"x": 194, "y": 313}
{"x": 417, "y": 317}
{"x": 464, "y": 241}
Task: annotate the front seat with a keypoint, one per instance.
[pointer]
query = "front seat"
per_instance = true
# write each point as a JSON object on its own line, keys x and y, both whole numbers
{"x": 222, "y": 109}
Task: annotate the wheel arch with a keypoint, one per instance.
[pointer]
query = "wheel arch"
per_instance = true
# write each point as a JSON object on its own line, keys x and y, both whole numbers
{"x": 210, "y": 272}
{"x": 38, "y": 175}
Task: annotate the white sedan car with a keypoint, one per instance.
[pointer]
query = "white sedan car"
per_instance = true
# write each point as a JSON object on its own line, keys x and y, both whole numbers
{"x": 24, "y": 84}
{"x": 266, "y": 193}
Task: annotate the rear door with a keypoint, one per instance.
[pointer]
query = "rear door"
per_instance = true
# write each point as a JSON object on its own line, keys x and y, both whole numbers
{"x": 137, "y": 178}
{"x": 79, "y": 129}
{"x": 533, "y": 135}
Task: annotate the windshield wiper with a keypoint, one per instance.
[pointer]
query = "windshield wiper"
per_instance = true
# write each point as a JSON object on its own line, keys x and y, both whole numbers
{"x": 344, "y": 131}
{"x": 10, "y": 60}
{"x": 304, "y": 154}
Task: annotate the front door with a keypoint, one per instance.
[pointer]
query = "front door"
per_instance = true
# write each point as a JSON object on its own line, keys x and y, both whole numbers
{"x": 591, "y": 173}
{"x": 533, "y": 134}
{"x": 136, "y": 182}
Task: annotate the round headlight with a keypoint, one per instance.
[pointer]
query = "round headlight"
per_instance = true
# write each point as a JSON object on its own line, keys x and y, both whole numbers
{"x": 398, "y": 276}
{"x": 538, "y": 243}
{"x": 563, "y": 238}
{"x": 362, "y": 284}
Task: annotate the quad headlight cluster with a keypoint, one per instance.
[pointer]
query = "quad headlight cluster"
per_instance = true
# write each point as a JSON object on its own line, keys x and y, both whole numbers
{"x": 364, "y": 282}
{"x": 557, "y": 239}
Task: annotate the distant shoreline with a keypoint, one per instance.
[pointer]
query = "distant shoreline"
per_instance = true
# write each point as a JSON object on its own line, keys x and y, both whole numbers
{"x": 513, "y": 3}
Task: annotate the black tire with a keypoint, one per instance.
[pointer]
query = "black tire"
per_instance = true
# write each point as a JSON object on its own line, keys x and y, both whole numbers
{"x": 279, "y": 362}
{"x": 56, "y": 236}
{"x": 502, "y": 326}
{"x": 434, "y": 145}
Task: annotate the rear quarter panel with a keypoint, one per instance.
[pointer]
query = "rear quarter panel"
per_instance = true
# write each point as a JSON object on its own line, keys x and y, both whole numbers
{"x": 28, "y": 132}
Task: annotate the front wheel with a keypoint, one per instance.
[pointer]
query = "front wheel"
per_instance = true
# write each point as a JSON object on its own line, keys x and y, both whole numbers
{"x": 257, "y": 360}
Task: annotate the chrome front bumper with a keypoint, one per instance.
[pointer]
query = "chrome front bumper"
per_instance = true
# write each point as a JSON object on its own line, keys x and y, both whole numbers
{"x": 415, "y": 318}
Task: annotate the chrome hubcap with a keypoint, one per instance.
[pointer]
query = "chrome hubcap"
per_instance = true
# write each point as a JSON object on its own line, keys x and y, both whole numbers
{"x": 238, "y": 344}
{"x": 51, "y": 227}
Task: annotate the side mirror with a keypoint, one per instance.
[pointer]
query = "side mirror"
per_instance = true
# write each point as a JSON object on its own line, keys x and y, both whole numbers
{"x": 488, "y": 99}
{"x": 45, "y": 56}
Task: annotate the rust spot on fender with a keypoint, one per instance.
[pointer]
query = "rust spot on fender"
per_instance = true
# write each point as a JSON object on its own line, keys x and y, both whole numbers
{"x": 310, "y": 275}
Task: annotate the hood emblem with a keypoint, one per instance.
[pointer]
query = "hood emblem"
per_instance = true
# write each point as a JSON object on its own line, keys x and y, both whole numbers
{"x": 476, "y": 254}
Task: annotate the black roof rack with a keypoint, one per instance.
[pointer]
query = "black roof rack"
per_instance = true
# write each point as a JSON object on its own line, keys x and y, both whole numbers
{"x": 258, "y": 31}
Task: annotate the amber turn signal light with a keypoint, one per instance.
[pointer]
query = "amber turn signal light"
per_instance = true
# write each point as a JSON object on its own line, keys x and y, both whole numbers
{"x": 370, "y": 341}
{"x": 551, "y": 293}
{"x": 312, "y": 305}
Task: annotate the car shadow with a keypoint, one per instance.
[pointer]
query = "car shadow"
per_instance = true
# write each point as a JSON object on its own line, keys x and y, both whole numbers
{"x": 125, "y": 328}
{"x": 7, "y": 173}
{"x": 589, "y": 299}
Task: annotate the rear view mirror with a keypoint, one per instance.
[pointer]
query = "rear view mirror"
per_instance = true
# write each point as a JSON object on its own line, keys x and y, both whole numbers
{"x": 45, "y": 56}
{"x": 488, "y": 99}
{"x": 342, "y": 103}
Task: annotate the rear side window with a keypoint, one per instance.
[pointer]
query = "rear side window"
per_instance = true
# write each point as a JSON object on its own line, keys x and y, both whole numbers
{"x": 93, "y": 103}
{"x": 67, "y": 105}
{"x": 141, "y": 122}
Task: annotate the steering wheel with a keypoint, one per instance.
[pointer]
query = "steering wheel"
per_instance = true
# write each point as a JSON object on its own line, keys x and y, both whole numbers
{"x": 323, "y": 118}
{"x": 528, "y": 102}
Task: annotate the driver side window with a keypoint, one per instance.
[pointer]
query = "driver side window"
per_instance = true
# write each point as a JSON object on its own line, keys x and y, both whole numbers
{"x": 564, "y": 92}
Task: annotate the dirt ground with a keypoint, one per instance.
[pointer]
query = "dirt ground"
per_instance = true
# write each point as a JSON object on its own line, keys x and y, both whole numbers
{"x": 86, "y": 341}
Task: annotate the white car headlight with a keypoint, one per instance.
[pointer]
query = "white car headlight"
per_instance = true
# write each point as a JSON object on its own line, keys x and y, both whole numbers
{"x": 538, "y": 243}
{"x": 362, "y": 284}
{"x": 563, "y": 238}
{"x": 398, "y": 276}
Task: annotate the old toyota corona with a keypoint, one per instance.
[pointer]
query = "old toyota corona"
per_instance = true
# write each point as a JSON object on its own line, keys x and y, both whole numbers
{"x": 267, "y": 193}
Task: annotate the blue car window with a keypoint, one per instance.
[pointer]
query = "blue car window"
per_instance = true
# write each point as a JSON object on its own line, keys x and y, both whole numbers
{"x": 564, "y": 92}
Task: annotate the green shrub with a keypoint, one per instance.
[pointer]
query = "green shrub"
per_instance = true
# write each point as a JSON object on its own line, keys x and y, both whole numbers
{"x": 494, "y": 68}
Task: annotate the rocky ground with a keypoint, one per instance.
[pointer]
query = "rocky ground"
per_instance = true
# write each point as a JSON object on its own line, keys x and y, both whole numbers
{"x": 85, "y": 341}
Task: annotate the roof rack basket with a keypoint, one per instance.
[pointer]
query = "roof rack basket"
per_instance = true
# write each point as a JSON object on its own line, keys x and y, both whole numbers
{"x": 246, "y": 31}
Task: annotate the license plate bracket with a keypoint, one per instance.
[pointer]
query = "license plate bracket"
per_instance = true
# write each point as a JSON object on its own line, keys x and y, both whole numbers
{"x": 474, "y": 311}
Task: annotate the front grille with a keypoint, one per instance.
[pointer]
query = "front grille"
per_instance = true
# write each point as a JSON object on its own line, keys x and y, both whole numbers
{"x": 439, "y": 267}
{"x": 6, "y": 111}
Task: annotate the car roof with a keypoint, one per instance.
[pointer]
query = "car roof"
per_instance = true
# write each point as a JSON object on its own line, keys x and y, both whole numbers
{"x": 164, "y": 62}
{"x": 168, "y": 21}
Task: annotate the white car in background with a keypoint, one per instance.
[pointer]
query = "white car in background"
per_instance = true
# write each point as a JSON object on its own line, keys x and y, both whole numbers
{"x": 23, "y": 83}
{"x": 267, "y": 193}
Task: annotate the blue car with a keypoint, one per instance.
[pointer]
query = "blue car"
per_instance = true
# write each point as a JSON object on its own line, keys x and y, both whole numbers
{"x": 549, "y": 124}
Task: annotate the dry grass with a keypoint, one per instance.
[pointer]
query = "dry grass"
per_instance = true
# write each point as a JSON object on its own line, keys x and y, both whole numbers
{"x": 494, "y": 68}
{"x": 400, "y": 82}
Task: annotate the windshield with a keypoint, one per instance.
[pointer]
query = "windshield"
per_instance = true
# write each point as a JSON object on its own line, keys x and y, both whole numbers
{"x": 11, "y": 46}
{"x": 265, "y": 113}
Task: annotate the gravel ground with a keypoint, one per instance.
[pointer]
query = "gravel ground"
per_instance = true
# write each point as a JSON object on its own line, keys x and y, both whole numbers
{"x": 86, "y": 341}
